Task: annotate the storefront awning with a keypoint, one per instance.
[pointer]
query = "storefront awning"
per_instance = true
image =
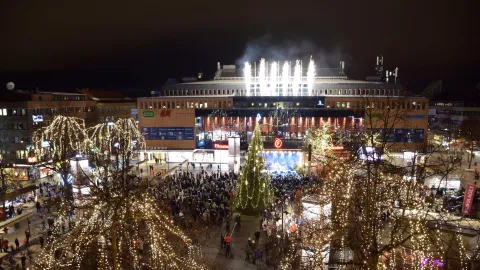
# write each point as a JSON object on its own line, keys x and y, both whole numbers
{"x": 18, "y": 192}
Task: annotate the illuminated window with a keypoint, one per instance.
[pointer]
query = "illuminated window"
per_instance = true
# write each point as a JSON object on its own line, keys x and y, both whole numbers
{"x": 348, "y": 105}
{"x": 205, "y": 104}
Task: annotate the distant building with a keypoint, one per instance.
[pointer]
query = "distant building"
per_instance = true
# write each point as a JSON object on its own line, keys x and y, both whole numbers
{"x": 204, "y": 114}
{"x": 446, "y": 117}
{"x": 21, "y": 113}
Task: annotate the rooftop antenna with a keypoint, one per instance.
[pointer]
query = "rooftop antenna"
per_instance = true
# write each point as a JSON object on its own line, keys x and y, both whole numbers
{"x": 395, "y": 73}
{"x": 342, "y": 68}
{"x": 387, "y": 75}
{"x": 379, "y": 66}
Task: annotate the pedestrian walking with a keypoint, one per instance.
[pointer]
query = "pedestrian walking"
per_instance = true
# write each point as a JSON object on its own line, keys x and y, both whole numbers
{"x": 17, "y": 244}
{"x": 257, "y": 236}
{"x": 207, "y": 233}
{"x": 27, "y": 236}
{"x": 42, "y": 241}
{"x": 23, "y": 258}
{"x": 228, "y": 242}
{"x": 222, "y": 240}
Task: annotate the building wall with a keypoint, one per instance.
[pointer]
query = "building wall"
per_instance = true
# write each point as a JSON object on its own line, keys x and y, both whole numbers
{"x": 174, "y": 112}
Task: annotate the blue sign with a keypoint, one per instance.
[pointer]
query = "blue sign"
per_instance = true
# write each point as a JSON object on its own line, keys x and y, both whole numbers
{"x": 171, "y": 133}
{"x": 402, "y": 135}
{"x": 416, "y": 116}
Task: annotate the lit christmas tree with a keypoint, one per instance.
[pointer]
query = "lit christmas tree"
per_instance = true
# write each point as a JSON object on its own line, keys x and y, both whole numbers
{"x": 253, "y": 190}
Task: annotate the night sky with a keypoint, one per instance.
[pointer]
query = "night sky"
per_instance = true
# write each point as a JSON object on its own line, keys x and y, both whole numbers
{"x": 138, "y": 44}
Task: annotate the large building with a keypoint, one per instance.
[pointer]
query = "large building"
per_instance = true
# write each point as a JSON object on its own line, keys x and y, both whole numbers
{"x": 22, "y": 112}
{"x": 286, "y": 100}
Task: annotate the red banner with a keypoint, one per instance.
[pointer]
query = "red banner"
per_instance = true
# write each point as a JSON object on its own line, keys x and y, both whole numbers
{"x": 468, "y": 199}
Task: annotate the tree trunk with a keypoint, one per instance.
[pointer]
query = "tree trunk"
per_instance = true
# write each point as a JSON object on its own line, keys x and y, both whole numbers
{"x": 372, "y": 262}
{"x": 114, "y": 248}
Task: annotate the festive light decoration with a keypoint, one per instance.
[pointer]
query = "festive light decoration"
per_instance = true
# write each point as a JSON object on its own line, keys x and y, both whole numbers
{"x": 379, "y": 217}
{"x": 119, "y": 141}
{"x": 60, "y": 140}
{"x": 109, "y": 228}
{"x": 65, "y": 138}
{"x": 253, "y": 191}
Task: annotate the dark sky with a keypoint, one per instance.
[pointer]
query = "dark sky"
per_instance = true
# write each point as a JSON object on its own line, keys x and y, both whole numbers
{"x": 137, "y": 44}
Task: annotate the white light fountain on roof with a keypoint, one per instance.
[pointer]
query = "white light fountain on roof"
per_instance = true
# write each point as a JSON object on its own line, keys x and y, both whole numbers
{"x": 248, "y": 77}
{"x": 310, "y": 76}
{"x": 285, "y": 78}
{"x": 273, "y": 78}
{"x": 297, "y": 79}
{"x": 273, "y": 82}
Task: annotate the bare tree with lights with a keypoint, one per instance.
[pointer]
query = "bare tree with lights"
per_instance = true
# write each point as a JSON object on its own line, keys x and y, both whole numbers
{"x": 60, "y": 142}
{"x": 119, "y": 224}
{"x": 116, "y": 144}
{"x": 379, "y": 213}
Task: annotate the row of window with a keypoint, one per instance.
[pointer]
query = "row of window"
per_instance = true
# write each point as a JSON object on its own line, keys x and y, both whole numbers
{"x": 21, "y": 125}
{"x": 15, "y": 139}
{"x": 316, "y": 92}
{"x": 63, "y": 110}
{"x": 408, "y": 105}
{"x": 462, "y": 113}
{"x": 182, "y": 104}
{"x": 15, "y": 112}
{"x": 67, "y": 97}
{"x": 114, "y": 109}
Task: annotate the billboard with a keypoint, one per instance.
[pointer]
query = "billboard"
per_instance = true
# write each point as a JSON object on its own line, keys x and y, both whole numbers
{"x": 171, "y": 133}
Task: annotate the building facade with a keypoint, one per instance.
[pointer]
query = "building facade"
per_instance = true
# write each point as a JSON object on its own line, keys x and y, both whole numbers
{"x": 204, "y": 114}
{"x": 21, "y": 113}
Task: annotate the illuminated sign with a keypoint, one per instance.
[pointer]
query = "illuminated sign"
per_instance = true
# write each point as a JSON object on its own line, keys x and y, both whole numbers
{"x": 37, "y": 118}
{"x": 32, "y": 159}
{"x": 259, "y": 117}
{"x": 277, "y": 143}
{"x": 148, "y": 114}
{"x": 468, "y": 199}
{"x": 220, "y": 146}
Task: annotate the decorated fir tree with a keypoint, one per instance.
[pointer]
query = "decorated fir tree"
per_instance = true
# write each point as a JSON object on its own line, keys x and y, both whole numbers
{"x": 253, "y": 190}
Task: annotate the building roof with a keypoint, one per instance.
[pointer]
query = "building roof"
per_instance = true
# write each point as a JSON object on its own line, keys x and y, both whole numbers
{"x": 104, "y": 95}
{"x": 320, "y": 73}
{"x": 319, "y": 84}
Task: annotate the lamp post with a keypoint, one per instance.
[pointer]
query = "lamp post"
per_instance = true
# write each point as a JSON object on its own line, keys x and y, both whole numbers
{"x": 2, "y": 175}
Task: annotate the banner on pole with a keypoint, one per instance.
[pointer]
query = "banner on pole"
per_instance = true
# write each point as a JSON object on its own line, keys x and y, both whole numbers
{"x": 468, "y": 199}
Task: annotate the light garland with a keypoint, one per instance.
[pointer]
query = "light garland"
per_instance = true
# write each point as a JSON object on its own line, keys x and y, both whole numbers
{"x": 123, "y": 214}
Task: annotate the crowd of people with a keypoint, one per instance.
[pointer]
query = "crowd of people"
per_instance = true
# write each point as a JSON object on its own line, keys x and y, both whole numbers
{"x": 202, "y": 200}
